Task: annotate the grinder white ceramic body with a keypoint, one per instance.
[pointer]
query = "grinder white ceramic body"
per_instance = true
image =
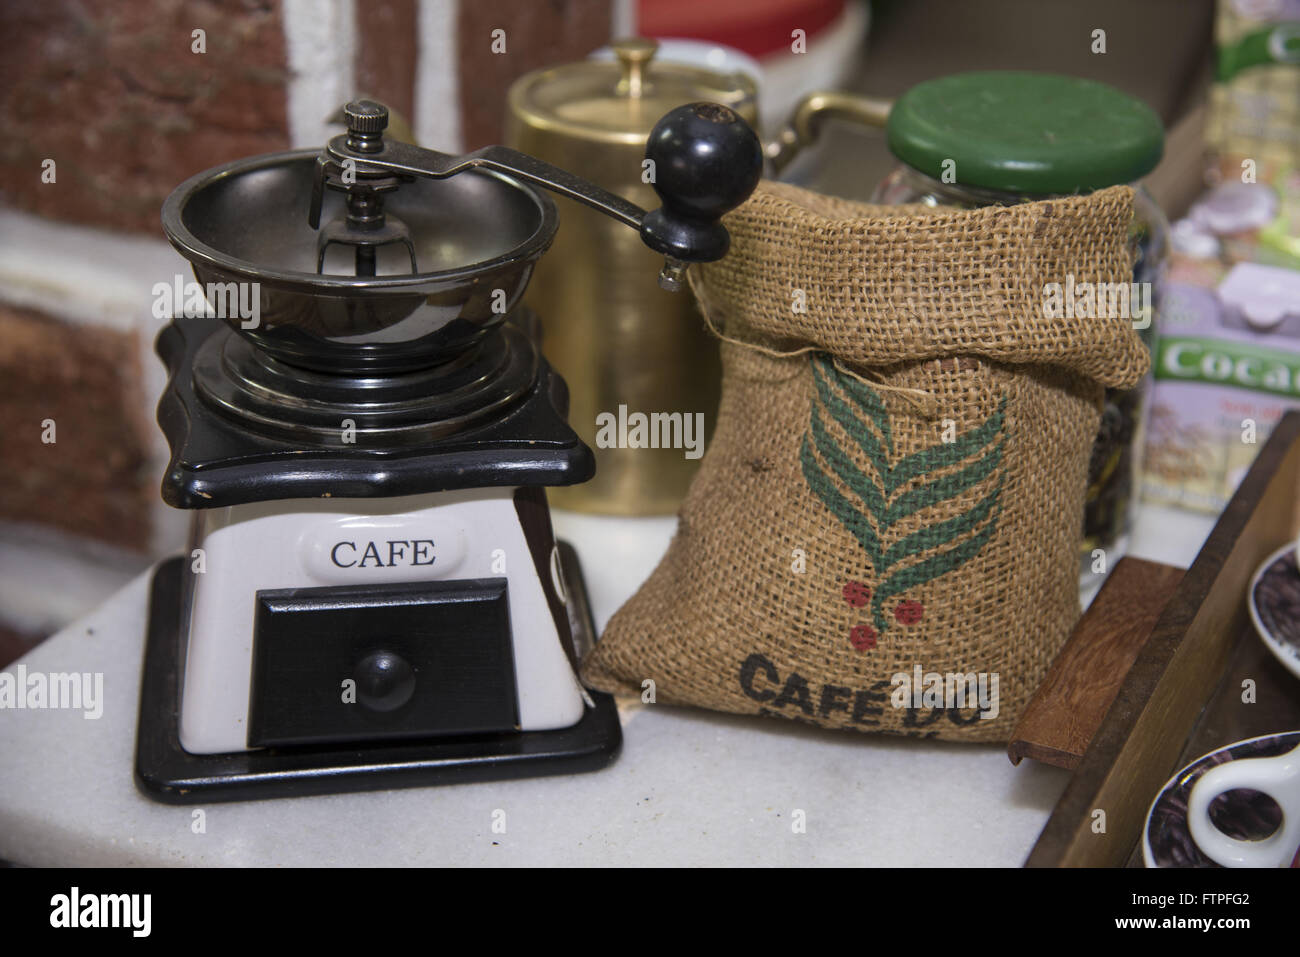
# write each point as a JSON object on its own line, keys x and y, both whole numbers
{"x": 242, "y": 550}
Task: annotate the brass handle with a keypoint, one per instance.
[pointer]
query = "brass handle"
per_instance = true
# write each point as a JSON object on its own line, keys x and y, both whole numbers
{"x": 634, "y": 55}
{"x": 805, "y": 123}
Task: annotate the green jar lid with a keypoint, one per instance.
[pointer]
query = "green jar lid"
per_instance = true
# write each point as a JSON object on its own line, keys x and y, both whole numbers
{"x": 1025, "y": 132}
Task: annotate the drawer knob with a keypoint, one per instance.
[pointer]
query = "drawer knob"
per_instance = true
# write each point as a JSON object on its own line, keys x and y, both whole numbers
{"x": 385, "y": 681}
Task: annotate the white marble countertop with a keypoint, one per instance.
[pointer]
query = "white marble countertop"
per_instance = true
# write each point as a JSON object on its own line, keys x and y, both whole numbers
{"x": 689, "y": 788}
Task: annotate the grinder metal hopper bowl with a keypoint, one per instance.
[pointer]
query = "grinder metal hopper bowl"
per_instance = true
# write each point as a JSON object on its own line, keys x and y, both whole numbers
{"x": 373, "y": 596}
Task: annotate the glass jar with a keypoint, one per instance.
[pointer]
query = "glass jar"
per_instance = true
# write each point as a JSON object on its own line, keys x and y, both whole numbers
{"x": 998, "y": 139}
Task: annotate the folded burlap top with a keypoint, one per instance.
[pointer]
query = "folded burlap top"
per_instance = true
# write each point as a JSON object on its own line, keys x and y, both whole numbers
{"x": 889, "y": 284}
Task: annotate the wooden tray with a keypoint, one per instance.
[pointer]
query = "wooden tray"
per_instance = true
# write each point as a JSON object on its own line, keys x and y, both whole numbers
{"x": 1182, "y": 696}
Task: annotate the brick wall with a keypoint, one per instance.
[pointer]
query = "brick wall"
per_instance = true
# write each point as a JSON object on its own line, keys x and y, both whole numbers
{"x": 115, "y": 95}
{"x": 104, "y": 108}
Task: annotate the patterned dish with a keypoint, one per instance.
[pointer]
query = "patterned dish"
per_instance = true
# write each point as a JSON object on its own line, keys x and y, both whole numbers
{"x": 1242, "y": 813}
{"x": 1275, "y": 606}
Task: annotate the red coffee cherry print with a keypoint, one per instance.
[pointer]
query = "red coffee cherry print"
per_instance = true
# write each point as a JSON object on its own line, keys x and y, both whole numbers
{"x": 856, "y": 594}
{"x": 862, "y": 637}
{"x": 909, "y": 612}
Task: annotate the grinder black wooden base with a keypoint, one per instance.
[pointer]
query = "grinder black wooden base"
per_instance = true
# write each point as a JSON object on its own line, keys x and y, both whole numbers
{"x": 167, "y": 773}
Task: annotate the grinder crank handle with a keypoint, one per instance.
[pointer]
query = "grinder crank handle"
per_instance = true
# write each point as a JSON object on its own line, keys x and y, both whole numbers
{"x": 703, "y": 160}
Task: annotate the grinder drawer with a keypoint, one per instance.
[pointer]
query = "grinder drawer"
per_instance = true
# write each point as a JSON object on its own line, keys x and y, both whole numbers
{"x": 376, "y": 662}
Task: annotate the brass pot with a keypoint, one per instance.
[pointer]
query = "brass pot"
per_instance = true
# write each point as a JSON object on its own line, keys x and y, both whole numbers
{"x": 624, "y": 345}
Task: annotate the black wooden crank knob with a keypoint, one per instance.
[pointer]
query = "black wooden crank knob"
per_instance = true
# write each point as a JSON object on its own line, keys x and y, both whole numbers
{"x": 707, "y": 161}
{"x": 385, "y": 681}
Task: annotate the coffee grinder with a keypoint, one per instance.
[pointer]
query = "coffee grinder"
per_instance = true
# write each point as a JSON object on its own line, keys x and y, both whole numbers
{"x": 373, "y": 597}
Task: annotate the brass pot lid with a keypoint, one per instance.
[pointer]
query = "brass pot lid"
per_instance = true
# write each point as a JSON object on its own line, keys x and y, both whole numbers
{"x": 620, "y": 100}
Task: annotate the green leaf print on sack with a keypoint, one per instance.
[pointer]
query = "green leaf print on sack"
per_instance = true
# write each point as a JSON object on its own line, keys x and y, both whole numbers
{"x": 876, "y": 499}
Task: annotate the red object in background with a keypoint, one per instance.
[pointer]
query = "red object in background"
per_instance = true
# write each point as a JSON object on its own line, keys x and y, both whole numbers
{"x": 757, "y": 27}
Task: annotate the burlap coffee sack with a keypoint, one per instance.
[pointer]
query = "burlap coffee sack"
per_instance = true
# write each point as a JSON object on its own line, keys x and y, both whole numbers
{"x": 907, "y": 493}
